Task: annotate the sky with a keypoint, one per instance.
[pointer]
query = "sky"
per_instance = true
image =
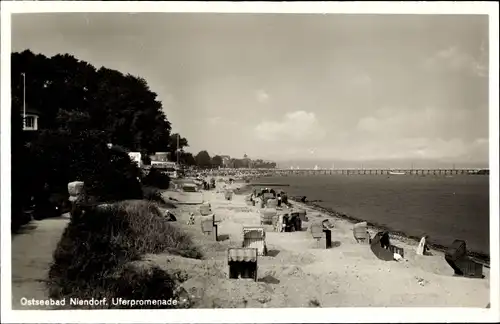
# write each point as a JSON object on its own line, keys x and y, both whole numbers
{"x": 286, "y": 87}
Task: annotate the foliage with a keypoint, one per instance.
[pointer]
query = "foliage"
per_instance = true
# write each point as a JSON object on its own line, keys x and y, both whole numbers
{"x": 72, "y": 94}
{"x": 156, "y": 178}
{"x": 21, "y": 177}
{"x": 216, "y": 161}
{"x": 187, "y": 158}
{"x": 173, "y": 150}
{"x": 60, "y": 156}
{"x": 203, "y": 159}
{"x": 97, "y": 248}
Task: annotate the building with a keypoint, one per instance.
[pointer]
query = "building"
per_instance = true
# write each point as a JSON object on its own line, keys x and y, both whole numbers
{"x": 226, "y": 161}
{"x": 31, "y": 120}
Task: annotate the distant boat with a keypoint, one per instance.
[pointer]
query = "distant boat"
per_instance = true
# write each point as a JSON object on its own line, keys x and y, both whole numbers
{"x": 396, "y": 173}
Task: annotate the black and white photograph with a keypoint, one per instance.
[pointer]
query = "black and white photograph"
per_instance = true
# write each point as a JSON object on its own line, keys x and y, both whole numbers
{"x": 249, "y": 160}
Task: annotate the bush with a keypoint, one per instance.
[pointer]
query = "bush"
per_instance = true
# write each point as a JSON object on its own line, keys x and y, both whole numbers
{"x": 156, "y": 178}
{"x": 62, "y": 156}
{"x": 100, "y": 243}
{"x": 154, "y": 195}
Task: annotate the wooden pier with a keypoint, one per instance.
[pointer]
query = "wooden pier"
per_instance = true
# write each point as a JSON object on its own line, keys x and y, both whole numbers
{"x": 394, "y": 172}
{"x": 384, "y": 172}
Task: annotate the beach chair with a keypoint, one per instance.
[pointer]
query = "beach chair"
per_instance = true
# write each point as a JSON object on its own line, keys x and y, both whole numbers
{"x": 301, "y": 213}
{"x": 228, "y": 194}
{"x": 242, "y": 263}
{"x": 255, "y": 237}
{"x": 267, "y": 195}
{"x": 456, "y": 257}
{"x": 209, "y": 228}
{"x": 360, "y": 232}
{"x": 321, "y": 235}
{"x": 205, "y": 209}
{"x": 272, "y": 203}
{"x": 266, "y": 216}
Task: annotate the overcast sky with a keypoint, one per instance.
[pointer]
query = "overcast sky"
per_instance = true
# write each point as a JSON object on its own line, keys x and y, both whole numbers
{"x": 295, "y": 86}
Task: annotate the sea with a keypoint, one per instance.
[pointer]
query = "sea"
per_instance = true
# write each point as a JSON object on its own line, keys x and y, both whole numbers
{"x": 444, "y": 207}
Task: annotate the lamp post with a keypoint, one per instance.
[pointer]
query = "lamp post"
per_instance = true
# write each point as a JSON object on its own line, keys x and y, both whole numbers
{"x": 178, "y": 149}
{"x": 24, "y": 100}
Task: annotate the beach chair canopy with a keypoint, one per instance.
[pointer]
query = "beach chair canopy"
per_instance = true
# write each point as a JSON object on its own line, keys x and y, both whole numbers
{"x": 242, "y": 255}
{"x": 254, "y": 232}
{"x": 457, "y": 250}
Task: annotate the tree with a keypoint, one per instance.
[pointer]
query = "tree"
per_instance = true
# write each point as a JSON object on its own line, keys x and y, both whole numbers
{"x": 217, "y": 161}
{"x": 203, "y": 159}
{"x": 187, "y": 158}
{"x": 68, "y": 91}
{"x": 172, "y": 147}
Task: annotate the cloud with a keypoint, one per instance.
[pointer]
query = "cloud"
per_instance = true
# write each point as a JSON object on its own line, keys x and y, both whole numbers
{"x": 453, "y": 58}
{"x": 262, "y": 96}
{"x": 362, "y": 80}
{"x": 427, "y": 122}
{"x": 296, "y": 126}
{"x": 420, "y": 148}
{"x": 219, "y": 121}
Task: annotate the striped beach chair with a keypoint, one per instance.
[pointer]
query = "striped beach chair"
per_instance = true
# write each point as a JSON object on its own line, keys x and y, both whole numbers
{"x": 242, "y": 263}
{"x": 360, "y": 232}
{"x": 255, "y": 237}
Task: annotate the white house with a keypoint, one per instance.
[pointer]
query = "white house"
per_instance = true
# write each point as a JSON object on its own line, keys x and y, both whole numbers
{"x": 31, "y": 119}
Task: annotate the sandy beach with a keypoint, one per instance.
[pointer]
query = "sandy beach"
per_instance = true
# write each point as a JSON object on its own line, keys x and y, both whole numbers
{"x": 297, "y": 273}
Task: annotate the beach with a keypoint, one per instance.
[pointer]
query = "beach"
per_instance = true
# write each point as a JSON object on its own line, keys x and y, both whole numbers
{"x": 297, "y": 273}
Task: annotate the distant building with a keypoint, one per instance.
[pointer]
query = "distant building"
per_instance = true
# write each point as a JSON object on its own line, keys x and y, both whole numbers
{"x": 226, "y": 159}
{"x": 159, "y": 157}
{"x": 31, "y": 119}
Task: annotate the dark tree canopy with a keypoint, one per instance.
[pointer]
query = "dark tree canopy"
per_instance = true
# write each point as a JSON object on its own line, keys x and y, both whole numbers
{"x": 217, "y": 161}
{"x": 72, "y": 94}
{"x": 203, "y": 159}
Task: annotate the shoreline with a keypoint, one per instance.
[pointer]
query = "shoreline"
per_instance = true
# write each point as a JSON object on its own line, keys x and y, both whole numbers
{"x": 479, "y": 257}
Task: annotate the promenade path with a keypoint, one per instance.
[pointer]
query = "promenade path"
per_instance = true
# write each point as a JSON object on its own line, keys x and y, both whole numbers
{"x": 32, "y": 251}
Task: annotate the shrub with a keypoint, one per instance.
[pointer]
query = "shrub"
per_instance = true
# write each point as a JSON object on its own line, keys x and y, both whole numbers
{"x": 61, "y": 156}
{"x": 100, "y": 244}
{"x": 154, "y": 195}
{"x": 156, "y": 178}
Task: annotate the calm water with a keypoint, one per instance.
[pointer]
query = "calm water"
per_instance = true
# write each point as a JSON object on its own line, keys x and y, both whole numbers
{"x": 446, "y": 208}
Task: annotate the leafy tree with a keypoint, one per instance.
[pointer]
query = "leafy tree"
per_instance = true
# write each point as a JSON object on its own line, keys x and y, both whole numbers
{"x": 172, "y": 147}
{"x": 71, "y": 93}
{"x": 187, "y": 158}
{"x": 217, "y": 161}
{"x": 203, "y": 159}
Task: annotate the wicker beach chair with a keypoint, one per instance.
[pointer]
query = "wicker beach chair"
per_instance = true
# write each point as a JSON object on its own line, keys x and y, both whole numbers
{"x": 255, "y": 237}
{"x": 209, "y": 228}
{"x": 242, "y": 263}
{"x": 266, "y": 216}
{"x": 360, "y": 231}
{"x": 301, "y": 213}
{"x": 320, "y": 234}
{"x": 205, "y": 209}
{"x": 272, "y": 203}
{"x": 456, "y": 257}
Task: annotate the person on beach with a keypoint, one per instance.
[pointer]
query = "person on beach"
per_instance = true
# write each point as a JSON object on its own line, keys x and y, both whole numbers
{"x": 384, "y": 240}
{"x": 422, "y": 248}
